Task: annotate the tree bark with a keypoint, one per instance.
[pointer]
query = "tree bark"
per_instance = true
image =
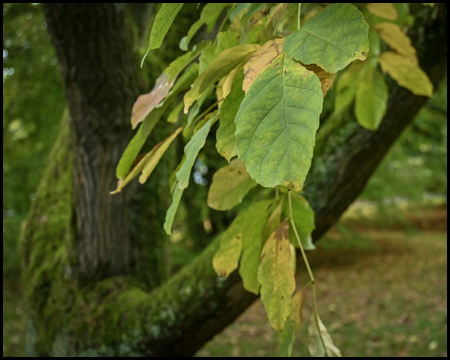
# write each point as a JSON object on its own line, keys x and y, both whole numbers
{"x": 114, "y": 316}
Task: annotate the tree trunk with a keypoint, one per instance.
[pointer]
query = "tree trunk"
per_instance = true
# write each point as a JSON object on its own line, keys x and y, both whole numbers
{"x": 114, "y": 316}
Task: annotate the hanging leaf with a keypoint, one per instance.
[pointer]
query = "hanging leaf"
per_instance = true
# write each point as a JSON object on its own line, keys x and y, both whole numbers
{"x": 262, "y": 58}
{"x": 175, "y": 114}
{"x": 220, "y": 67}
{"x": 225, "y": 134}
{"x": 397, "y": 40}
{"x": 276, "y": 276}
{"x": 406, "y": 73}
{"x": 371, "y": 99}
{"x": 292, "y": 325}
{"x": 226, "y": 259}
{"x": 255, "y": 218}
{"x": 229, "y": 186}
{"x": 274, "y": 220}
{"x": 331, "y": 40}
{"x": 148, "y": 102}
{"x": 153, "y": 157}
{"x": 164, "y": 19}
{"x": 347, "y": 84}
{"x": 191, "y": 151}
{"x": 315, "y": 346}
{"x": 383, "y": 10}
{"x": 228, "y": 81}
{"x": 243, "y": 233}
{"x": 170, "y": 215}
{"x": 148, "y": 162}
{"x": 209, "y": 16}
{"x": 173, "y": 176}
{"x": 277, "y": 122}
{"x": 136, "y": 143}
{"x": 303, "y": 216}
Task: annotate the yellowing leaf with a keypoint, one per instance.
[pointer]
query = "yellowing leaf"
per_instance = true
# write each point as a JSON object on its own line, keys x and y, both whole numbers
{"x": 153, "y": 157}
{"x": 228, "y": 82}
{"x": 147, "y": 163}
{"x": 229, "y": 186}
{"x": 220, "y": 67}
{"x": 263, "y": 57}
{"x": 371, "y": 99}
{"x": 244, "y": 231}
{"x": 315, "y": 346}
{"x": 277, "y": 277}
{"x": 226, "y": 259}
{"x": 406, "y": 73}
{"x": 397, "y": 40}
{"x": 384, "y": 10}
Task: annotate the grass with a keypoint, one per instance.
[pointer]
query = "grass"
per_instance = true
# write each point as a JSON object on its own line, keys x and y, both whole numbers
{"x": 381, "y": 292}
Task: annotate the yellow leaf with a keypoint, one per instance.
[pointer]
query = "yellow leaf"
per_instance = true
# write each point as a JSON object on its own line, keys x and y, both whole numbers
{"x": 384, "y": 10}
{"x": 146, "y": 163}
{"x": 226, "y": 86}
{"x": 406, "y": 73}
{"x": 226, "y": 258}
{"x": 277, "y": 277}
{"x": 397, "y": 40}
{"x": 262, "y": 58}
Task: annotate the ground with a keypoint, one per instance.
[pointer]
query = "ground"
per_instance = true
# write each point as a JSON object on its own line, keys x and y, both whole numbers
{"x": 382, "y": 291}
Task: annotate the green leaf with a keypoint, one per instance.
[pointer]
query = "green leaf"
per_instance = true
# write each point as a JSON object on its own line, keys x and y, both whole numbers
{"x": 191, "y": 151}
{"x": 276, "y": 276}
{"x": 170, "y": 215}
{"x": 397, "y": 40}
{"x": 315, "y": 346}
{"x": 332, "y": 39}
{"x": 220, "y": 67}
{"x": 164, "y": 19}
{"x": 292, "y": 325}
{"x": 406, "y": 73}
{"x": 244, "y": 232}
{"x": 226, "y": 40}
{"x": 175, "y": 113}
{"x": 229, "y": 186}
{"x": 274, "y": 19}
{"x": 303, "y": 216}
{"x": 148, "y": 162}
{"x": 347, "y": 85}
{"x": 274, "y": 220}
{"x": 209, "y": 16}
{"x": 256, "y": 217}
{"x": 225, "y": 134}
{"x": 277, "y": 122}
{"x": 371, "y": 99}
{"x": 173, "y": 176}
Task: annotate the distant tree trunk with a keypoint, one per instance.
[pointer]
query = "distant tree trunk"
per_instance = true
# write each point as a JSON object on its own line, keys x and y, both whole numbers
{"x": 77, "y": 248}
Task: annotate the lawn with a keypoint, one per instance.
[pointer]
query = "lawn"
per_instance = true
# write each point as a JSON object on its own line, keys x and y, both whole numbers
{"x": 381, "y": 292}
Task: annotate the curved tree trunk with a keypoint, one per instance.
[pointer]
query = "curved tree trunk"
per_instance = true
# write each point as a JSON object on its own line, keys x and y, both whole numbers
{"x": 114, "y": 316}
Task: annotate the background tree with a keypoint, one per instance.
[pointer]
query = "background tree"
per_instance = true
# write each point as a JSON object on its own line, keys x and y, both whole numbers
{"x": 77, "y": 288}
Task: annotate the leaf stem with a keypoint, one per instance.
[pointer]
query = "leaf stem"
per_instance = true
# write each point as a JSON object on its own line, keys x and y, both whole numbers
{"x": 311, "y": 276}
{"x": 298, "y": 16}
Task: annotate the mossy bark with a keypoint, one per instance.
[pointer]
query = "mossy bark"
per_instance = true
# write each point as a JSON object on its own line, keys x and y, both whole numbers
{"x": 121, "y": 315}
